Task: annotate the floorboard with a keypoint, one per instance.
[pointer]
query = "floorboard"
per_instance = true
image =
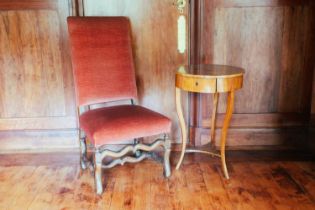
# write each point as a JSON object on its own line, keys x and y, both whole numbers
{"x": 258, "y": 181}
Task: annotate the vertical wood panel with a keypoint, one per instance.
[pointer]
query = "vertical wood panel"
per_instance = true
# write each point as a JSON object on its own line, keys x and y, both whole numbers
{"x": 274, "y": 42}
{"x": 34, "y": 87}
{"x": 65, "y": 10}
{"x": 251, "y": 38}
{"x": 16, "y": 85}
{"x": 296, "y": 69}
{"x": 313, "y": 95}
{"x": 36, "y": 90}
{"x": 261, "y": 3}
{"x": 29, "y": 4}
{"x": 311, "y": 134}
{"x": 50, "y": 35}
{"x": 35, "y": 64}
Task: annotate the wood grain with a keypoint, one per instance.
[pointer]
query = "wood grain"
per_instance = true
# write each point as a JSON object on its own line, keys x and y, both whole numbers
{"x": 196, "y": 84}
{"x": 30, "y": 4}
{"x": 261, "y": 3}
{"x": 209, "y": 79}
{"x": 278, "y": 57}
{"x": 293, "y": 137}
{"x": 36, "y": 90}
{"x": 31, "y": 64}
{"x": 38, "y": 123}
{"x": 224, "y": 132}
{"x": 24, "y": 141}
{"x": 296, "y": 71}
{"x": 263, "y": 120}
{"x": 234, "y": 45}
{"x": 311, "y": 134}
{"x": 54, "y": 181}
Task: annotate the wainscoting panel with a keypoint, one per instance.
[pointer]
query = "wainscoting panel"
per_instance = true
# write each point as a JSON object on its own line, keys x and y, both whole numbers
{"x": 274, "y": 42}
{"x": 36, "y": 84}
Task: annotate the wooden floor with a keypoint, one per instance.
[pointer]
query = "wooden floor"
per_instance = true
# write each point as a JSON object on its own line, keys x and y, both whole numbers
{"x": 54, "y": 181}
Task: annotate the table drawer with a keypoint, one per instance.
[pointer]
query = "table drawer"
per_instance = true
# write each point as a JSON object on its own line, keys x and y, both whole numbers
{"x": 196, "y": 84}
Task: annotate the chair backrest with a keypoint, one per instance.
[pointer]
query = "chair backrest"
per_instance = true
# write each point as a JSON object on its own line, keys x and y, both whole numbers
{"x": 102, "y": 59}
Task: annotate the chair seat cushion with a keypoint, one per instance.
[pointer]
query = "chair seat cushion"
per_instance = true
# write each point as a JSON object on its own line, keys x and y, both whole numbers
{"x": 114, "y": 124}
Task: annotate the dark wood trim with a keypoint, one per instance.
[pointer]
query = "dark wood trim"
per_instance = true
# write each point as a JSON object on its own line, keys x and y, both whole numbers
{"x": 311, "y": 137}
{"x": 78, "y": 7}
{"x": 12, "y": 141}
{"x": 266, "y": 120}
{"x": 311, "y": 134}
{"x": 294, "y": 137}
{"x": 261, "y": 3}
{"x": 194, "y": 31}
{"x": 29, "y": 4}
{"x": 312, "y": 120}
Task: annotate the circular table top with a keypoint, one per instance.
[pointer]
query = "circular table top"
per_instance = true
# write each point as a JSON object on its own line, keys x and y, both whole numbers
{"x": 209, "y": 78}
{"x": 211, "y": 70}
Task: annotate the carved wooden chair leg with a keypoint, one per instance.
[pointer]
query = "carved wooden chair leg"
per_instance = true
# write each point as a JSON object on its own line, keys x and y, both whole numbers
{"x": 98, "y": 172}
{"x": 167, "y": 152}
{"x": 83, "y": 151}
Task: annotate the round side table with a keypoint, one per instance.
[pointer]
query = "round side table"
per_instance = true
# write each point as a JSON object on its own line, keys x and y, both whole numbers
{"x": 208, "y": 78}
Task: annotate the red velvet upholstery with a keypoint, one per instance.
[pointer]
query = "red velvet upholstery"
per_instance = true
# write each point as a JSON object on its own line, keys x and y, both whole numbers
{"x": 102, "y": 59}
{"x": 113, "y": 124}
{"x": 104, "y": 71}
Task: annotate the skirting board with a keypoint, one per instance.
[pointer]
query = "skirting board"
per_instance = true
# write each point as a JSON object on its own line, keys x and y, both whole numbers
{"x": 294, "y": 136}
{"x": 64, "y": 140}
{"x": 41, "y": 140}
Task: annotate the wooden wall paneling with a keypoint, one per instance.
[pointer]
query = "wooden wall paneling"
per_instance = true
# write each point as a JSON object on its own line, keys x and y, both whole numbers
{"x": 28, "y": 5}
{"x": 154, "y": 27}
{"x": 297, "y": 60}
{"x": 312, "y": 121}
{"x": 262, "y": 120}
{"x": 256, "y": 49}
{"x": 311, "y": 137}
{"x": 66, "y": 8}
{"x": 16, "y": 89}
{"x": 194, "y": 32}
{"x": 38, "y": 140}
{"x": 207, "y": 31}
{"x": 194, "y": 47}
{"x": 45, "y": 123}
{"x": 311, "y": 47}
{"x": 35, "y": 68}
{"x": 273, "y": 41}
{"x": 244, "y": 137}
{"x": 261, "y": 3}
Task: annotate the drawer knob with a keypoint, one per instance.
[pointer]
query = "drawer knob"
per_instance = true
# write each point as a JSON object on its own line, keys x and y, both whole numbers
{"x": 197, "y": 83}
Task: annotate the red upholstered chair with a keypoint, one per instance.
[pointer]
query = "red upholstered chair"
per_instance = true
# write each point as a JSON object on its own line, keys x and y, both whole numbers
{"x": 103, "y": 71}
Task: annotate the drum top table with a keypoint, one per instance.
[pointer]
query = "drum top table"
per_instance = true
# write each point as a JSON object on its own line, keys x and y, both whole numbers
{"x": 208, "y": 78}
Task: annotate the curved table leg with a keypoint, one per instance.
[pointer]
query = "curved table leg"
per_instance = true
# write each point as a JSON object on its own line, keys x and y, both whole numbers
{"x": 227, "y": 118}
{"x": 213, "y": 117}
{"x": 182, "y": 126}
